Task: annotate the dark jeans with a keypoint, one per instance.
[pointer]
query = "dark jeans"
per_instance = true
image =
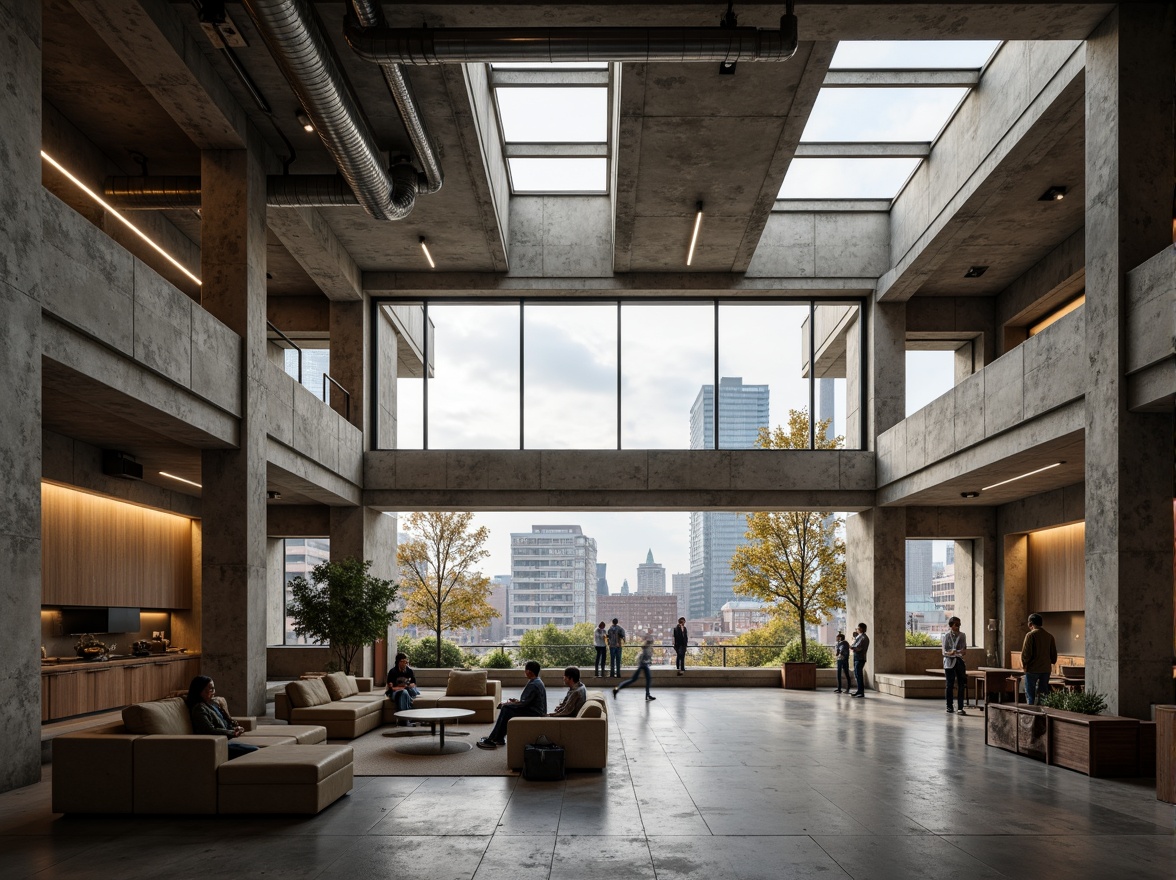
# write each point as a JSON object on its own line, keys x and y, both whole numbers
{"x": 507, "y": 712}
{"x": 403, "y": 698}
{"x": 614, "y": 662}
{"x": 601, "y": 660}
{"x": 859, "y": 672}
{"x": 843, "y": 667}
{"x": 641, "y": 667}
{"x": 957, "y": 675}
{"x": 236, "y": 750}
{"x": 681, "y": 663}
{"x": 1036, "y": 686}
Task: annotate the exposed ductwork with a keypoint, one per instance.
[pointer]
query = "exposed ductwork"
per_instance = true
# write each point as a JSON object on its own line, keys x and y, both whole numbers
{"x": 483, "y": 45}
{"x": 294, "y": 38}
{"x": 281, "y": 191}
{"x": 369, "y": 14}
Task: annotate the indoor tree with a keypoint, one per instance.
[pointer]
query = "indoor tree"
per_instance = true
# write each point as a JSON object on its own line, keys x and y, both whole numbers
{"x": 342, "y": 606}
{"x": 794, "y": 560}
{"x": 443, "y": 590}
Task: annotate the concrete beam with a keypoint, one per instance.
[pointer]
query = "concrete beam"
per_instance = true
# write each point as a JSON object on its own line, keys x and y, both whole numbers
{"x": 310, "y": 240}
{"x": 902, "y": 79}
{"x": 149, "y": 38}
{"x": 542, "y": 151}
{"x": 551, "y": 78}
{"x": 864, "y": 150}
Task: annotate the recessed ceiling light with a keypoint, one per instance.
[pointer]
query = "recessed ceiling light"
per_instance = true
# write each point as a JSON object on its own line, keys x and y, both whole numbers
{"x": 1053, "y": 194}
{"x": 975, "y": 271}
{"x": 969, "y": 494}
{"x": 304, "y": 121}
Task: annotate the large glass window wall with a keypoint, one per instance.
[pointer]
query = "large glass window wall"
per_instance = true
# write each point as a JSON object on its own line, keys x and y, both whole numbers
{"x": 623, "y": 374}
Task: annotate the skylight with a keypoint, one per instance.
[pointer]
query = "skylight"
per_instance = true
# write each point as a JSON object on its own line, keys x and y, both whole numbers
{"x": 881, "y": 114}
{"x": 846, "y": 178}
{"x": 559, "y": 175}
{"x": 553, "y": 115}
{"x": 914, "y": 54}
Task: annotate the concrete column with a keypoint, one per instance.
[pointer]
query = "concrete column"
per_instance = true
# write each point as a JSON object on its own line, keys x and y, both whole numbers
{"x": 20, "y": 393}
{"x": 885, "y": 401}
{"x": 233, "y": 606}
{"x": 967, "y": 602}
{"x": 350, "y": 344}
{"x": 385, "y": 379}
{"x": 876, "y": 590}
{"x": 363, "y": 533}
{"x": 1013, "y": 610}
{"x": 1129, "y": 486}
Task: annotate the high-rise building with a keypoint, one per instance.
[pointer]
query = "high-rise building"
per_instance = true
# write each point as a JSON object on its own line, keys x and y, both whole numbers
{"x": 680, "y": 582}
{"x": 920, "y": 608}
{"x": 651, "y": 577}
{"x": 625, "y": 587}
{"x": 601, "y": 579}
{"x": 715, "y": 534}
{"x": 553, "y": 578}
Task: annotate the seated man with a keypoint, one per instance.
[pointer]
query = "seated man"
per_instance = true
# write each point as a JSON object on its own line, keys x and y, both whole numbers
{"x": 532, "y": 701}
{"x": 576, "y": 696}
{"x": 402, "y": 685}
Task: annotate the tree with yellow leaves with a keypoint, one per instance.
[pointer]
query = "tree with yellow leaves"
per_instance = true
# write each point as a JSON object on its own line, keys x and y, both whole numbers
{"x": 442, "y": 587}
{"x": 795, "y": 559}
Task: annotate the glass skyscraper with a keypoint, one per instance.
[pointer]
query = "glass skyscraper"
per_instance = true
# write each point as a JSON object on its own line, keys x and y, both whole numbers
{"x": 714, "y": 534}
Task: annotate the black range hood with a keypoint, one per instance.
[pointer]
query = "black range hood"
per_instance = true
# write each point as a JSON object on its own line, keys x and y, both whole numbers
{"x": 78, "y": 620}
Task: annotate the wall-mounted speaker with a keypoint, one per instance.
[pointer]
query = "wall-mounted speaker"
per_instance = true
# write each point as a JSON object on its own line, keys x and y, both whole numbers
{"x": 119, "y": 464}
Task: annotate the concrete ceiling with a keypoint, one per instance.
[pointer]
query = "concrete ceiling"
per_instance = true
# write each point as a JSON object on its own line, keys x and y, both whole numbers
{"x": 686, "y": 135}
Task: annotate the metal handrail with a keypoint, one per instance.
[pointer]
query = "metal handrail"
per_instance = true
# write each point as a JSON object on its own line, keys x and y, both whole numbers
{"x": 347, "y": 394}
{"x": 294, "y": 345}
{"x": 634, "y": 647}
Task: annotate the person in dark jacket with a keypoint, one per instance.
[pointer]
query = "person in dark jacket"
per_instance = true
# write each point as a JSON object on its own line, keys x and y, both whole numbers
{"x": 401, "y": 687}
{"x": 209, "y": 718}
{"x": 681, "y": 643}
{"x": 842, "y": 653}
{"x": 860, "y": 647}
{"x": 532, "y": 701}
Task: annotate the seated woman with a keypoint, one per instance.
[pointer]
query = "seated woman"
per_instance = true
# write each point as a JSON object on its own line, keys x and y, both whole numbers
{"x": 209, "y": 718}
{"x": 401, "y": 685}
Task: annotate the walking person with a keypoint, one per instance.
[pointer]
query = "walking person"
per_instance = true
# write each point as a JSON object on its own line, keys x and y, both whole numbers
{"x": 955, "y": 670}
{"x": 841, "y": 652}
{"x": 860, "y": 646}
{"x": 681, "y": 642}
{"x": 642, "y": 666}
{"x": 600, "y": 642}
{"x": 1038, "y": 655}
{"x": 616, "y": 640}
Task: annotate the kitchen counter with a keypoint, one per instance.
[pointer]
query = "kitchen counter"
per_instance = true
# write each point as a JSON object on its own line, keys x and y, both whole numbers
{"x": 70, "y": 686}
{"x": 57, "y": 665}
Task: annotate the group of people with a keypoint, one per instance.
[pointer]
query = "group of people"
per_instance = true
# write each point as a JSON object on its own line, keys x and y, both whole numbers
{"x": 609, "y": 642}
{"x": 859, "y": 648}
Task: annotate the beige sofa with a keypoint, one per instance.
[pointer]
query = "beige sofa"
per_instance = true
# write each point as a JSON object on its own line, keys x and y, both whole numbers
{"x": 339, "y": 702}
{"x": 584, "y": 738}
{"x": 153, "y": 763}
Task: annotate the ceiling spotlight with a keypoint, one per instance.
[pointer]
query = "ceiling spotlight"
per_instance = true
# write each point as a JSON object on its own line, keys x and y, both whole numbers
{"x": 975, "y": 271}
{"x": 428, "y": 256}
{"x": 969, "y": 494}
{"x": 694, "y": 237}
{"x": 304, "y": 120}
{"x": 1053, "y": 194}
{"x": 273, "y": 495}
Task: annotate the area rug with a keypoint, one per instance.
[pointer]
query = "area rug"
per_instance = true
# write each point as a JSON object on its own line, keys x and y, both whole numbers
{"x": 376, "y": 755}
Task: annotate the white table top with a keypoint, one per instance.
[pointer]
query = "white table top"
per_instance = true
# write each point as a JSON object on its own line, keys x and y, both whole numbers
{"x": 434, "y": 714}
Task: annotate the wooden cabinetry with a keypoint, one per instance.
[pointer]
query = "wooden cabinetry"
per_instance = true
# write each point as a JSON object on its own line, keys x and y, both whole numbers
{"x": 98, "y": 687}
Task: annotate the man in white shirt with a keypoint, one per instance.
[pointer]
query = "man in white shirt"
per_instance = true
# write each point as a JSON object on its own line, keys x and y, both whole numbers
{"x": 955, "y": 646}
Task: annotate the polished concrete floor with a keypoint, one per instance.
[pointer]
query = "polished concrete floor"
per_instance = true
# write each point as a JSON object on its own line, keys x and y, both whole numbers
{"x": 708, "y": 784}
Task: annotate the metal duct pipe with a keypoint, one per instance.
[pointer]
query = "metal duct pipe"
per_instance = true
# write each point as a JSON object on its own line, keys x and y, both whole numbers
{"x": 484, "y": 45}
{"x": 301, "y": 51}
{"x": 282, "y": 191}
{"x": 370, "y": 15}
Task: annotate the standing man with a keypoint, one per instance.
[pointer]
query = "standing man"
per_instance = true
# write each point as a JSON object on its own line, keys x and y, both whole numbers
{"x": 601, "y": 644}
{"x": 575, "y": 698}
{"x": 860, "y": 647}
{"x": 955, "y": 646}
{"x": 1038, "y": 655}
{"x": 681, "y": 642}
{"x": 532, "y": 701}
{"x": 616, "y": 641}
{"x": 842, "y": 653}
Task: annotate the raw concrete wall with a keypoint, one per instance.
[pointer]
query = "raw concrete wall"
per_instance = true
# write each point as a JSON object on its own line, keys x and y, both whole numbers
{"x": 823, "y": 245}
{"x": 561, "y": 237}
{"x": 1151, "y": 311}
{"x": 303, "y": 423}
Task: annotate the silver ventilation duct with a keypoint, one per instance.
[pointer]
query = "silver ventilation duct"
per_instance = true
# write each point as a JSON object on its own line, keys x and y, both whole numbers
{"x": 483, "y": 45}
{"x": 301, "y": 51}
{"x": 369, "y": 14}
{"x": 282, "y": 191}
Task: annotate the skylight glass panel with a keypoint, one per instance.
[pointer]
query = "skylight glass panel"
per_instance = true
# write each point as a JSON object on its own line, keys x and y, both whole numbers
{"x": 846, "y": 178}
{"x": 558, "y": 175}
{"x": 881, "y": 114}
{"x": 550, "y": 65}
{"x": 956, "y": 54}
{"x": 553, "y": 115}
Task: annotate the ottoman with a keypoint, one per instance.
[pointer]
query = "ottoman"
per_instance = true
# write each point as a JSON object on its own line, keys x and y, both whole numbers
{"x": 304, "y": 734}
{"x": 285, "y": 779}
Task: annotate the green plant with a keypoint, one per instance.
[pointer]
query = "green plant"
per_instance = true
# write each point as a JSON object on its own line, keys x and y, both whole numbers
{"x": 923, "y": 640}
{"x": 497, "y": 659}
{"x": 794, "y": 653}
{"x": 555, "y": 648}
{"x": 423, "y": 653}
{"x": 342, "y": 606}
{"x": 1085, "y": 702}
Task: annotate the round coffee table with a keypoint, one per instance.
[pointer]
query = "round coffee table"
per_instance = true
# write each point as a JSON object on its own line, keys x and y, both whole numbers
{"x": 436, "y": 719}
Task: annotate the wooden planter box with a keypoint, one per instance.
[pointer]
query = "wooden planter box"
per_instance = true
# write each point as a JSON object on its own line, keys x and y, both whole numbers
{"x": 1097, "y": 745}
{"x": 799, "y": 676}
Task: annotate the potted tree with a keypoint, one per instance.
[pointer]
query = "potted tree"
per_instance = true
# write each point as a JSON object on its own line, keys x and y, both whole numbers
{"x": 794, "y": 560}
{"x": 342, "y": 606}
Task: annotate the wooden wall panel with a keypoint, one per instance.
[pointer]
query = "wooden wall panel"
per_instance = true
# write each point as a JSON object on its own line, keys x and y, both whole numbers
{"x": 1057, "y": 569}
{"x": 99, "y": 551}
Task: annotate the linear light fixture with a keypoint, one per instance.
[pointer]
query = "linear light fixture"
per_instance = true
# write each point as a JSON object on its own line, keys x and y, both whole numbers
{"x": 694, "y": 237}
{"x": 428, "y": 256}
{"x": 181, "y": 479}
{"x": 107, "y": 207}
{"x": 1023, "y": 476}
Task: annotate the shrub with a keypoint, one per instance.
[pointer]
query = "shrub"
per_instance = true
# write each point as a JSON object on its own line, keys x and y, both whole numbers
{"x": 422, "y": 653}
{"x": 923, "y": 640}
{"x": 819, "y": 654}
{"x": 554, "y": 648}
{"x": 1086, "y": 702}
{"x": 498, "y": 659}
